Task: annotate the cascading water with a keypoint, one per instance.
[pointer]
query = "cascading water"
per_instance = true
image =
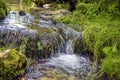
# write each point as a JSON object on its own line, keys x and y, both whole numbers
{"x": 58, "y": 39}
{"x": 69, "y": 48}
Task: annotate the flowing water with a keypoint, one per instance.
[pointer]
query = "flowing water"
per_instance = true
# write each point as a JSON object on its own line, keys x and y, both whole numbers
{"x": 58, "y": 41}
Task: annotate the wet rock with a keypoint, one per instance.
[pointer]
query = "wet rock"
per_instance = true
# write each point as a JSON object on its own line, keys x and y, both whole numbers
{"x": 53, "y": 14}
{"x": 46, "y": 17}
{"x": 37, "y": 9}
{"x": 22, "y": 13}
{"x": 35, "y": 76}
{"x": 2, "y": 17}
{"x": 47, "y": 6}
{"x": 12, "y": 64}
{"x": 4, "y": 54}
{"x": 56, "y": 75}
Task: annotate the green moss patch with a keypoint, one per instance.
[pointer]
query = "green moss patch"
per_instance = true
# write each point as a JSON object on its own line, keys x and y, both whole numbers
{"x": 12, "y": 65}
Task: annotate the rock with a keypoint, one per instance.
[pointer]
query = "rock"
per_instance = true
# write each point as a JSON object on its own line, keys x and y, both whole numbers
{"x": 71, "y": 77}
{"x": 47, "y": 6}
{"x": 58, "y": 16}
{"x": 22, "y": 13}
{"x": 37, "y": 9}
{"x": 56, "y": 75}
{"x": 2, "y": 17}
{"x": 44, "y": 78}
{"x": 60, "y": 11}
{"x": 4, "y": 54}
{"x": 46, "y": 17}
{"x": 48, "y": 14}
{"x": 12, "y": 65}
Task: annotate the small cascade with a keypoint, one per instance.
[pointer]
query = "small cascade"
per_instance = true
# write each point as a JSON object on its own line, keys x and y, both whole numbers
{"x": 56, "y": 39}
{"x": 57, "y": 44}
{"x": 69, "y": 47}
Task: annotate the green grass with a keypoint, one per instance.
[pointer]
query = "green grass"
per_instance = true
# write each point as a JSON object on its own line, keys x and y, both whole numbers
{"x": 3, "y": 9}
{"x": 101, "y": 29}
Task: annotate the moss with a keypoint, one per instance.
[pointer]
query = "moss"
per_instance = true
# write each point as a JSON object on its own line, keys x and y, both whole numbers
{"x": 40, "y": 30}
{"x": 12, "y": 65}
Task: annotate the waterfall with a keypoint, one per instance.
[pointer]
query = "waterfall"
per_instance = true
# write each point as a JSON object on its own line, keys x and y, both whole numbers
{"x": 56, "y": 39}
{"x": 69, "y": 47}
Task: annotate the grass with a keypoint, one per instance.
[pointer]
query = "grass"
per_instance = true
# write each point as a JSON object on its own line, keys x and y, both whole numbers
{"x": 100, "y": 29}
{"x": 12, "y": 65}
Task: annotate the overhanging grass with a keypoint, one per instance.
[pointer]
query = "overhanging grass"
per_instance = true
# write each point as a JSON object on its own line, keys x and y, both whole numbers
{"x": 101, "y": 30}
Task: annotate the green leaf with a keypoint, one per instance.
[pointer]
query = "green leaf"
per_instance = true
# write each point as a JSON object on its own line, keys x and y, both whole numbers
{"x": 40, "y": 47}
{"x": 107, "y": 50}
{"x": 114, "y": 49}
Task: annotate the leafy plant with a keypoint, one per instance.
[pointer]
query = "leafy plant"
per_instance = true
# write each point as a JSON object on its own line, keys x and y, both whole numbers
{"x": 111, "y": 62}
{"x": 101, "y": 28}
{"x": 40, "y": 47}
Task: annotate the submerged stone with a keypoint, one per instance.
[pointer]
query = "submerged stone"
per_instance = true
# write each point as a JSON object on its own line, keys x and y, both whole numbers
{"x": 56, "y": 75}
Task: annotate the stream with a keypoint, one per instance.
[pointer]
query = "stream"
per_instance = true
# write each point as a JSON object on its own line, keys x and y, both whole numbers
{"x": 61, "y": 56}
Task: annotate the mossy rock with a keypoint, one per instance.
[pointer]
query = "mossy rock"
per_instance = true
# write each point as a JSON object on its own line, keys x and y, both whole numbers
{"x": 12, "y": 64}
{"x": 3, "y": 10}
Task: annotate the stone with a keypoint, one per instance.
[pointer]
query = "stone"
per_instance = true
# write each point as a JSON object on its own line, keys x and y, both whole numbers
{"x": 47, "y": 6}
{"x": 14, "y": 64}
{"x": 36, "y": 9}
{"x": 22, "y": 13}
{"x": 2, "y": 17}
{"x": 4, "y": 54}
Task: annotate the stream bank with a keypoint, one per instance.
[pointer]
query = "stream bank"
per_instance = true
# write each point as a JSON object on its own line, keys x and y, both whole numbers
{"x": 50, "y": 44}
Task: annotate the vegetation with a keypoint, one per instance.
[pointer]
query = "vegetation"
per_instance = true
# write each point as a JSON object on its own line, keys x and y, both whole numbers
{"x": 3, "y": 9}
{"x": 111, "y": 62}
{"x": 68, "y": 4}
{"x": 12, "y": 64}
{"x": 100, "y": 26}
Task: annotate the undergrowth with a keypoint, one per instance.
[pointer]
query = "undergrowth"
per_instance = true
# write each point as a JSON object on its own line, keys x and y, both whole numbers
{"x": 3, "y": 10}
{"x": 111, "y": 62}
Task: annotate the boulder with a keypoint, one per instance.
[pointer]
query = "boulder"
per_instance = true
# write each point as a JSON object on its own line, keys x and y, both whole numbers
{"x": 12, "y": 64}
{"x": 22, "y": 13}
